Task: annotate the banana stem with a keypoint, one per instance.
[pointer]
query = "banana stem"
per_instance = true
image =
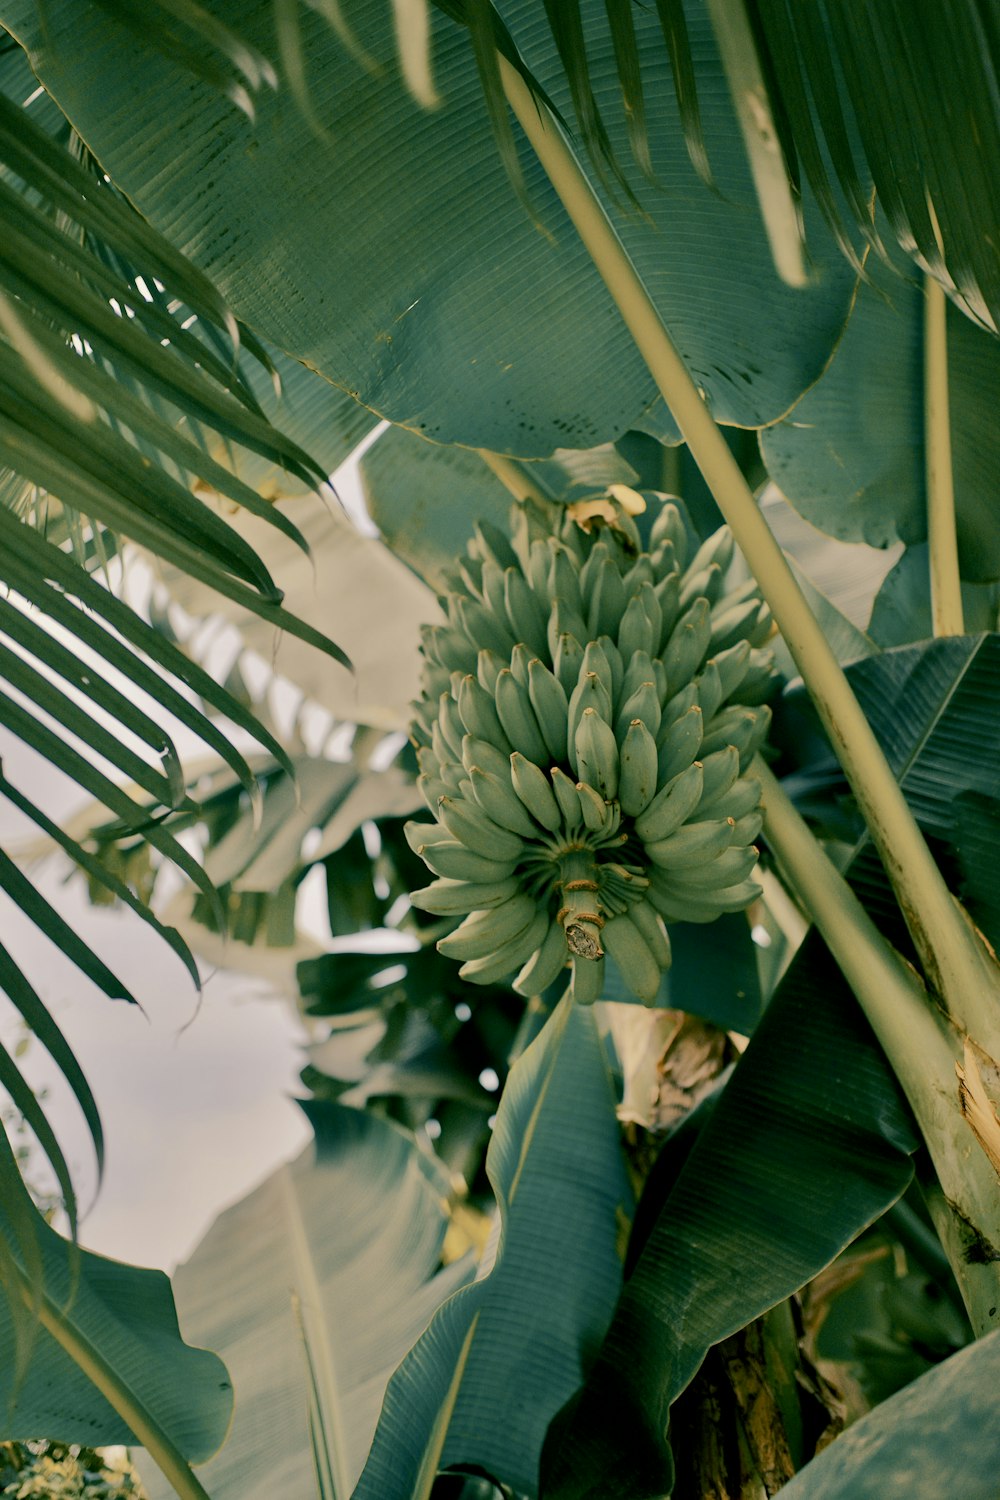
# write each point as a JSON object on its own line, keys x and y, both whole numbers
{"x": 919, "y": 1045}
{"x": 956, "y": 965}
{"x": 580, "y": 914}
{"x": 946, "y": 583}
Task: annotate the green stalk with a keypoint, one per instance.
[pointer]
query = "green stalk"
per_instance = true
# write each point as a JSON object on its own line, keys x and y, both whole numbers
{"x": 918, "y": 1043}
{"x": 957, "y": 966}
{"x": 946, "y": 583}
{"x": 511, "y": 474}
{"x": 105, "y": 1378}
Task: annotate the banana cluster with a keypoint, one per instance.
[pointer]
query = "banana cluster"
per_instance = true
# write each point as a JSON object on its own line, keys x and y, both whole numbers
{"x": 587, "y": 712}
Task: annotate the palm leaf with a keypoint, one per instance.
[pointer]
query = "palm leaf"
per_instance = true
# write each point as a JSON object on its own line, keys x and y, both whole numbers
{"x": 520, "y": 354}
{"x": 115, "y": 399}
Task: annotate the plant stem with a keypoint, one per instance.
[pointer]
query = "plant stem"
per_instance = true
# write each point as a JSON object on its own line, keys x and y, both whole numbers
{"x": 957, "y": 966}
{"x": 946, "y": 584}
{"x": 88, "y": 1359}
{"x": 918, "y": 1044}
{"x": 511, "y": 474}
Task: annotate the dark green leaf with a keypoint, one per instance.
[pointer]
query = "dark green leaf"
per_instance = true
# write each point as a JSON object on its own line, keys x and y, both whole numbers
{"x": 459, "y": 350}
{"x": 807, "y": 1145}
{"x": 850, "y": 456}
{"x": 526, "y": 1327}
{"x": 937, "y": 1437}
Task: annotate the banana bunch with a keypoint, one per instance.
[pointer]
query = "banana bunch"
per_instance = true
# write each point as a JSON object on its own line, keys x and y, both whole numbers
{"x": 587, "y": 713}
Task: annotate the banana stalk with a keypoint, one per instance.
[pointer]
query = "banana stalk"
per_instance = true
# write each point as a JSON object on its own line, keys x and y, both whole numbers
{"x": 920, "y": 1044}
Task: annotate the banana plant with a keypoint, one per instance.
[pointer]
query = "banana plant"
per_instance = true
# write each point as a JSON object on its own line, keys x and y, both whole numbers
{"x": 671, "y": 313}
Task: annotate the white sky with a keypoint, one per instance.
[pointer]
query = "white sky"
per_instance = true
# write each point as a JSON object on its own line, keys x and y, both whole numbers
{"x": 194, "y": 1115}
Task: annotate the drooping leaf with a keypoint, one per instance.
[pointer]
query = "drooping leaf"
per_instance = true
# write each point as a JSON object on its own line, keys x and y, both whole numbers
{"x": 479, "y": 1387}
{"x": 850, "y": 455}
{"x": 808, "y": 1143}
{"x": 108, "y": 1342}
{"x": 934, "y": 709}
{"x": 937, "y": 1436}
{"x": 901, "y": 614}
{"x": 521, "y": 354}
{"x": 313, "y": 1288}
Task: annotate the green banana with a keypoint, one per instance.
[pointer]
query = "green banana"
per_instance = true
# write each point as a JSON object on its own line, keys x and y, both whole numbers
{"x": 606, "y": 600}
{"x": 742, "y": 798}
{"x": 672, "y": 805}
{"x": 453, "y": 898}
{"x": 643, "y": 704}
{"x": 594, "y": 809}
{"x": 478, "y": 713}
{"x": 481, "y": 753}
{"x": 568, "y": 659}
{"x": 747, "y": 829}
{"x": 498, "y": 801}
{"x": 730, "y": 622}
{"x": 532, "y": 788}
{"x": 692, "y": 845}
{"x": 729, "y": 868}
{"x": 551, "y": 707}
{"x": 564, "y": 791}
{"x": 614, "y": 660}
{"x": 637, "y": 671}
{"x": 719, "y": 773}
{"x": 680, "y": 745}
{"x": 483, "y": 932}
{"x": 455, "y": 861}
{"x": 676, "y": 907}
{"x": 637, "y": 769}
{"x": 451, "y": 725}
{"x": 668, "y": 596}
{"x": 688, "y": 643}
{"x": 496, "y": 966}
{"x": 597, "y": 754}
{"x": 635, "y": 633}
{"x": 423, "y": 835}
{"x": 432, "y": 789}
{"x": 494, "y": 546}
{"x": 599, "y": 554}
{"x": 669, "y": 527}
{"x": 537, "y": 571}
{"x": 519, "y": 659}
{"x": 595, "y": 659}
{"x": 675, "y": 707}
{"x": 517, "y": 718}
{"x": 588, "y": 980}
{"x": 564, "y": 579}
{"x": 709, "y": 686}
{"x": 481, "y": 627}
{"x": 545, "y": 965}
{"x": 623, "y": 942}
{"x": 706, "y": 583}
{"x": 468, "y": 823}
{"x": 524, "y": 612}
{"x": 732, "y": 666}
{"x": 565, "y": 621}
{"x": 717, "y": 548}
{"x": 491, "y": 584}
{"x": 648, "y": 921}
{"x": 588, "y": 693}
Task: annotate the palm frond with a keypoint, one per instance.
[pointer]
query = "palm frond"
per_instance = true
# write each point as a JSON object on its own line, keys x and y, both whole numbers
{"x": 125, "y": 397}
